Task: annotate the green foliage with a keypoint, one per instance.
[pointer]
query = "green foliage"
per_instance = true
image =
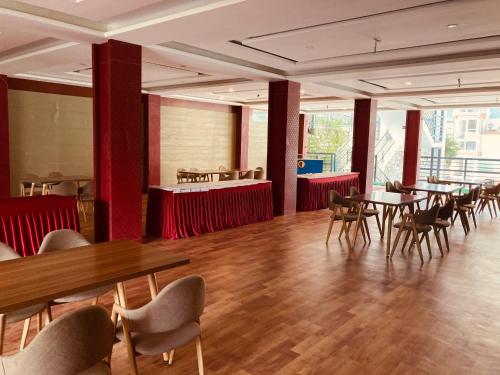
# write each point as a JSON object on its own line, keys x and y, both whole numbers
{"x": 451, "y": 147}
{"x": 328, "y": 135}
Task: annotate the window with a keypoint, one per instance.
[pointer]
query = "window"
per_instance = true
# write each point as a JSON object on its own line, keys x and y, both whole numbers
{"x": 470, "y": 146}
{"x": 461, "y": 129}
{"x": 472, "y": 127}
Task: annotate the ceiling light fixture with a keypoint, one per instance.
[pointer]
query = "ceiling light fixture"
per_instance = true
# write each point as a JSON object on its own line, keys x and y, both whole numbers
{"x": 408, "y": 83}
{"x": 230, "y": 89}
{"x": 221, "y": 97}
{"x": 302, "y": 91}
{"x": 451, "y": 25}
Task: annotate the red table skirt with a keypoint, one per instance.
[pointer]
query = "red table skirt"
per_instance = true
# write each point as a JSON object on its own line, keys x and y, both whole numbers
{"x": 180, "y": 215}
{"x": 312, "y": 194}
{"x": 24, "y": 222}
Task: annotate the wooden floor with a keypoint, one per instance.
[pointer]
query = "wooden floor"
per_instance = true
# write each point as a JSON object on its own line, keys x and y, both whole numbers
{"x": 281, "y": 302}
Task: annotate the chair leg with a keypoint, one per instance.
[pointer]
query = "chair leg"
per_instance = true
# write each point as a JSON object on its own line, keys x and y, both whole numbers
{"x": 398, "y": 236}
{"x": 363, "y": 232}
{"x": 473, "y": 217}
{"x": 171, "y": 357}
{"x": 379, "y": 225}
{"x": 438, "y": 239}
{"x": 407, "y": 237}
{"x": 367, "y": 231}
{"x": 329, "y": 230}
{"x": 417, "y": 242}
{"x": 489, "y": 208}
{"x": 95, "y": 300}
{"x": 199, "y": 354}
{"x": 39, "y": 321}
{"x": 2, "y": 331}
{"x": 24, "y": 336}
{"x": 48, "y": 316}
{"x": 130, "y": 348}
{"x": 427, "y": 240}
{"x": 445, "y": 233}
{"x": 454, "y": 217}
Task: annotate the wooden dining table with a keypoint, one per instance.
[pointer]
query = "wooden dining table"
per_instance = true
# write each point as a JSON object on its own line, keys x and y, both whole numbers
{"x": 44, "y": 182}
{"x": 42, "y": 278}
{"x": 211, "y": 172}
{"x": 390, "y": 202}
{"x": 464, "y": 181}
{"x": 434, "y": 190}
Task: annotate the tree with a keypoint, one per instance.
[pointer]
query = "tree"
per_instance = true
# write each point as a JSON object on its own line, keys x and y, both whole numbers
{"x": 328, "y": 135}
{"x": 451, "y": 147}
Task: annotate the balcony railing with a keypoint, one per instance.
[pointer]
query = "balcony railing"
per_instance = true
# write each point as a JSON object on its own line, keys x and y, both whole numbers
{"x": 459, "y": 167}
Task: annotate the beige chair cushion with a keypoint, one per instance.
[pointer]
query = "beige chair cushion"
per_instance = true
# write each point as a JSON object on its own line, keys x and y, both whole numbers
{"x": 72, "y": 344}
{"x": 157, "y": 343}
{"x": 420, "y": 228}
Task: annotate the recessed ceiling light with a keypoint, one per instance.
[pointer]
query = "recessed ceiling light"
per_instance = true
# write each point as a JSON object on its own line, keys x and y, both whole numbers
{"x": 407, "y": 83}
{"x": 310, "y": 47}
{"x": 221, "y": 97}
{"x": 231, "y": 89}
{"x": 302, "y": 91}
{"x": 451, "y": 25}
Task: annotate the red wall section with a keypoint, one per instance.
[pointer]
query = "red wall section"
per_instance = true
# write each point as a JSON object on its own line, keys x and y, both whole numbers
{"x": 242, "y": 128}
{"x": 4, "y": 139}
{"x": 152, "y": 108}
{"x": 412, "y": 147}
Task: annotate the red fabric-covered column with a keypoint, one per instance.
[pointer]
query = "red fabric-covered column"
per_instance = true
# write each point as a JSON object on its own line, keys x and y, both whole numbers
{"x": 363, "y": 142}
{"x": 152, "y": 109}
{"x": 282, "y": 144}
{"x": 242, "y": 127}
{"x": 4, "y": 139}
{"x": 117, "y": 140}
{"x": 303, "y": 126}
{"x": 412, "y": 147}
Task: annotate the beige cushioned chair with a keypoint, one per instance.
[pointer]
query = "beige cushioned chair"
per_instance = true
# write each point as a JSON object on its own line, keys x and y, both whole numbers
{"x": 7, "y": 253}
{"x": 169, "y": 321}
{"x": 66, "y": 239}
{"x": 74, "y": 344}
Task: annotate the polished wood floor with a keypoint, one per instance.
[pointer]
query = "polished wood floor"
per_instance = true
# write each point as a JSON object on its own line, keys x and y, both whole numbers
{"x": 281, "y": 302}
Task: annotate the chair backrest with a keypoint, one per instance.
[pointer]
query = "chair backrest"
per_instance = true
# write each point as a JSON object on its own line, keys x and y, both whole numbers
{"x": 427, "y": 217}
{"x": 55, "y": 174}
{"x": 62, "y": 239}
{"x": 258, "y": 173}
{"x": 250, "y": 175}
{"x": 7, "y": 253}
{"x": 353, "y": 191}
{"x": 65, "y": 188}
{"x": 464, "y": 199}
{"x": 69, "y": 345}
{"x": 87, "y": 189}
{"x": 229, "y": 176}
{"x": 179, "y": 303}
{"x": 222, "y": 168}
{"x": 446, "y": 211}
{"x": 336, "y": 199}
{"x": 432, "y": 179}
{"x": 476, "y": 192}
{"x": 399, "y": 187}
{"x": 389, "y": 187}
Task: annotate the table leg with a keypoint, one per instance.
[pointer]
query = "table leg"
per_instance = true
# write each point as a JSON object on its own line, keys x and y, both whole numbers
{"x": 429, "y": 197}
{"x": 32, "y": 190}
{"x": 384, "y": 216}
{"x": 389, "y": 230}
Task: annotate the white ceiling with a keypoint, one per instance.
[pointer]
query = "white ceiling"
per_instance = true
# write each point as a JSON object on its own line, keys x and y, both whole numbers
{"x": 227, "y": 50}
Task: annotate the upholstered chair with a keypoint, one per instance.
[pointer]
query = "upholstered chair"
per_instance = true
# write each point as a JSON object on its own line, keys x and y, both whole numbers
{"x": 169, "y": 321}
{"x": 368, "y": 212}
{"x": 7, "y": 253}
{"x": 249, "y": 175}
{"x": 74, "y": 344}
{"x": 259, "y": 173}
{"x": 29, "y": 188}
{"x": 66, "y": 239}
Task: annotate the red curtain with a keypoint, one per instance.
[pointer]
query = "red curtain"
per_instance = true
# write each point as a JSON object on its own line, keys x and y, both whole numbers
{"x": 312, "y": 193}
{"x": 180, "y": 215}
{"x": 24, "y": 222}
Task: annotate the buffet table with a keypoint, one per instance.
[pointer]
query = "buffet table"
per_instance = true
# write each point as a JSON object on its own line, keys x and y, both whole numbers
{"x": 312, "y": 189}
{"x": 187, "y": 210}
{"x": 24, "y": 222}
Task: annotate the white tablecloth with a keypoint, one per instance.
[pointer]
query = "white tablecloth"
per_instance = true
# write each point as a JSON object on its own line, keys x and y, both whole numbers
{"x": 206, "y": 186}
{"x": 311, "y": 176}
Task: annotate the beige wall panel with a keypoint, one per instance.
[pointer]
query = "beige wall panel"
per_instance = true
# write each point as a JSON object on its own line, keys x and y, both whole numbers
{"x": 257, "y": 140}
{"x": 49, "y": 132}
{"x": 195, "y": 138}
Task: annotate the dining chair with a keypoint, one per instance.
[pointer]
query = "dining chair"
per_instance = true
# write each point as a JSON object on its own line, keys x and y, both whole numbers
{"x": 421, "y": 222}
{"x": 488, "y": 197}
{"x": 7, "y": 253}
{"x": 368, "y": 212}
{"x": 470, "y": 205}
{"x": 461, "y": 210}
{"x": 30, "y": 187}
{"x": 85, "y": 198}
{"x": 229, "y": 176}
{"x": 443, "y": 221}
{"x": 349, "y": 212}
{"x": 65, "y": 188}
{"x": 400, "y": 188}
{"x": 182, "y": 176}
{"x": 65, "y": 239}
{"x": 259, "y": 173}
{"x": 74, "y": 344}
{"x": 199, "y": 178}
{"x": 249, "y": 175}
{"x": 222, "y": 168}
{"x": 390, "y": 188}
{"x": 169, "y": 321}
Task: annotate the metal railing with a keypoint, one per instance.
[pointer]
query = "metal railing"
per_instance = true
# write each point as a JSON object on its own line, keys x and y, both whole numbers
{"x": 459, "y": 167}
{"x": 329, "y": 160}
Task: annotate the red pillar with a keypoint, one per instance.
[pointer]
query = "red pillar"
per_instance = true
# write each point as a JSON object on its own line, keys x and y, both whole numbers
{"x": 282, "y": 144}
{"x": 152, "y": 109}
{"x": 117, "y": 140}
{"x": 363, "y": 142}
{"x": 412, "y": 147}
{"x": 4, "y": 139}
{"x": 242, "y": 127}
{"x": 303, "y": 126}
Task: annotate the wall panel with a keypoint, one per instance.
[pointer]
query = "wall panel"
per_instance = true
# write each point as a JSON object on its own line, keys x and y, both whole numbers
{"x": 257, "y": 140}
{"x": 49, "y": 132}
{"x": 195, "y": 138}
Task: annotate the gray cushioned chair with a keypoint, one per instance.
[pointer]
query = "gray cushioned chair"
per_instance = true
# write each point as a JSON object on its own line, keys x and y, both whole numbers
{"x": 169, "y": 321}
{"x": 66, "y": 239}
{"x": 74, "y": 344}
{"x": 7, "y": 253}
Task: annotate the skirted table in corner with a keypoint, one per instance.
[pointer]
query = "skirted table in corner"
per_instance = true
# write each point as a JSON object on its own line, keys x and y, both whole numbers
{"x": 312, "y": 189}
{"x": 192, "y": 209}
